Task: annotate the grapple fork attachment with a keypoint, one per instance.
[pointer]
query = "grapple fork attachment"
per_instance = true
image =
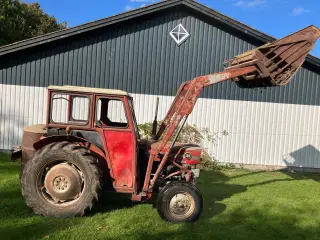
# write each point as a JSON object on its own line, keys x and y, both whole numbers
{"x": 276, "y": 62}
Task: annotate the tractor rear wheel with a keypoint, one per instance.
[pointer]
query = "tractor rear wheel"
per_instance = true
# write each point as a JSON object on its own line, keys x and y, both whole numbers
{"x": 62, "y": 180}
{"x": 179, "y": 202}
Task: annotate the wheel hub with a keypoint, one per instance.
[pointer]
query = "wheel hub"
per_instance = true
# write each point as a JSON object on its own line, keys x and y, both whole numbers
{"x": 63, "y": 182}
{"x": 60, "y": 184}
{"x": 181, "y": 205}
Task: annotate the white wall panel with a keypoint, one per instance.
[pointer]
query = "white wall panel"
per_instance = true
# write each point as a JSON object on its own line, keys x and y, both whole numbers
{"x": 19, "y": 106}
{"x": 247, "y": 132}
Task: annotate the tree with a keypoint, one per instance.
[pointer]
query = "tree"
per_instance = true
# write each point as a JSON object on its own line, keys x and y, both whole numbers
{"x": 21, "y": 20}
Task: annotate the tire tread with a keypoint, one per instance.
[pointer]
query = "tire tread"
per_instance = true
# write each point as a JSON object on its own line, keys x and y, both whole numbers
{"x": 28, "y": 193}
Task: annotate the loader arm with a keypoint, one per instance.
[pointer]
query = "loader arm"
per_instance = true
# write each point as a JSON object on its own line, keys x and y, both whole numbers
{"x": 181, "y": 107}
{"x": 273, "y": 64}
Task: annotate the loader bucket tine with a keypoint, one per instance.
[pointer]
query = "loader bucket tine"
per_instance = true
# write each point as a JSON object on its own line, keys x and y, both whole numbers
{"x": 277, "y": 62}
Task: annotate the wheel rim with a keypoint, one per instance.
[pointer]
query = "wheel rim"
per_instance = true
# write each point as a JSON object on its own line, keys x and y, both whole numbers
{"x": 61, "y": 183}
{"x": 181, "y": 205}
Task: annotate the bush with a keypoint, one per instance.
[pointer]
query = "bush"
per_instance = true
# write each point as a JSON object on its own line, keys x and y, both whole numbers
{"x": 189, "y": 134}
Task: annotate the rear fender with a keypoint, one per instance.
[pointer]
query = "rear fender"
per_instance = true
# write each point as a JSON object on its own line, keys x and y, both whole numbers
{"x": 104, "y": 163}
{"x": 59, "y": 138}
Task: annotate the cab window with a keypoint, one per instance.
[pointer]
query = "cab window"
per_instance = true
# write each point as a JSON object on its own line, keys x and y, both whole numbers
{"x": 111, "y": 113}
{"x": 70, "y": 109}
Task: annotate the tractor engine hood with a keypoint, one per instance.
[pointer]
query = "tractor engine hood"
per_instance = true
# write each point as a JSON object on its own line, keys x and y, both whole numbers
{"x": 183, "y": 153}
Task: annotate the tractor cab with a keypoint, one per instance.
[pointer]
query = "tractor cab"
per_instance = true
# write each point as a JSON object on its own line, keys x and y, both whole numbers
{"x": 105, "y": 119}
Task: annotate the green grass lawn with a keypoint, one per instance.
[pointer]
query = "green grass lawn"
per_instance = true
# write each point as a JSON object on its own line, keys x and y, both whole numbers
{"x": 238, "y": 204}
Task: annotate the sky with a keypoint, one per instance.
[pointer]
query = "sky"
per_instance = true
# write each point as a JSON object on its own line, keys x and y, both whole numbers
{"x": 277, "y": 18}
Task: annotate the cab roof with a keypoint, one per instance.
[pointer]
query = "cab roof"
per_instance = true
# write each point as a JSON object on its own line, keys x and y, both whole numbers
{"x": 88, "y": 90}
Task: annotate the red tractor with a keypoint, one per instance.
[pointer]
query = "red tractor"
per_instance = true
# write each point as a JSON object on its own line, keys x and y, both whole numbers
{"x": 91, "y": 140}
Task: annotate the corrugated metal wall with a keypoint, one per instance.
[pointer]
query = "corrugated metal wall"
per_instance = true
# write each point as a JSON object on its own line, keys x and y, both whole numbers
{"x": 275, "y": 126}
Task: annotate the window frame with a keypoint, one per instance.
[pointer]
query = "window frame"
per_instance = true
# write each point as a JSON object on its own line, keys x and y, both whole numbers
{"x": 82, "y": 123}
{"x": 134, "y": 118}
{"x": 71, "y": 113}
{"x": 124, "y": 108}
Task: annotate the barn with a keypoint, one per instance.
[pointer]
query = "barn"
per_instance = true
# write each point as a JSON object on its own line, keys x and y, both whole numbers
{"x": 149, "y": 52}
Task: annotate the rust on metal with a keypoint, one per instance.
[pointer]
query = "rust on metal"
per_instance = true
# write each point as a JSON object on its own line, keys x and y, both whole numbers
{"x": 276, "y": 62}
{"x": 31, "y": 135}
{"x": 181, "y": 205}
{"x": 273, "y": 64}
{"x": 181, "y": 107}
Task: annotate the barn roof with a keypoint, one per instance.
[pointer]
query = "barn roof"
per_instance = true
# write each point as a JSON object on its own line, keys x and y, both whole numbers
{"x": 54, "y": 36}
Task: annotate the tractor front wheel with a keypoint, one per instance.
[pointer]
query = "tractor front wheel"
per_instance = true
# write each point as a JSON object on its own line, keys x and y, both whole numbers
{"x": 179, "y": 202}
{"x": 62, "y": 180}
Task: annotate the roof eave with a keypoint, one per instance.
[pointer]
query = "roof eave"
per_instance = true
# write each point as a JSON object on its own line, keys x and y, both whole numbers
{"x": 140, "y": 12}
{"x": 61, "y": 34}
{"x": 242, "y": 27}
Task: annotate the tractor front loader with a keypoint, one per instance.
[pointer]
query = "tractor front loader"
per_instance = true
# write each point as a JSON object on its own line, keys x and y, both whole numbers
{"x": 85, "y": 147}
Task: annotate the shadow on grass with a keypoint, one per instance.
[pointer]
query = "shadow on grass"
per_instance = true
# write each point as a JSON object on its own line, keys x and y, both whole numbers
{"x": 110, "y": 201}
{"x": 220, "y": 189}
{"x": 242, "y": 221}
{"x": 36, "y": 229}
{"x": 212, "y": 193}
{"x": 17, "y": 220}
{"x": 247, "y": 220}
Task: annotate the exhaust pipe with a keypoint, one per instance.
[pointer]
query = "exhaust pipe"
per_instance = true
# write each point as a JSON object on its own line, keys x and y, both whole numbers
{"x": 155, "y": 122}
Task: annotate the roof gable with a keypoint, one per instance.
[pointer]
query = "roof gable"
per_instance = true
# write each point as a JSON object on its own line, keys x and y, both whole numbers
{"x": 54, "y": 36}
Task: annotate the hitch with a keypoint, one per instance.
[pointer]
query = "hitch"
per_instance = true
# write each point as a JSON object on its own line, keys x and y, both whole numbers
{"x": 16, "y": 153}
